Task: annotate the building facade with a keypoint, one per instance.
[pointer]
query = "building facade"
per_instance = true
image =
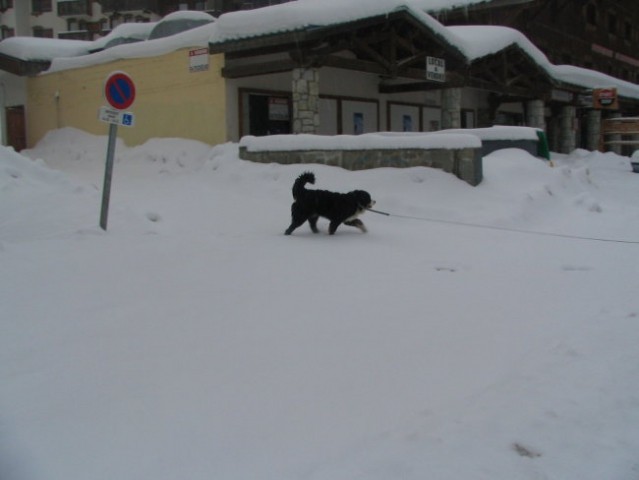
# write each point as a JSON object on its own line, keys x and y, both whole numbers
{"x": 388, "y": 70}
{"x": 600, "y": 35}
{"x": 90, "y": 19}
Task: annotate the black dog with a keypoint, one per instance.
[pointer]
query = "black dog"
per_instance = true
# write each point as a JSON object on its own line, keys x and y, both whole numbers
{"x": 338, "y": 208}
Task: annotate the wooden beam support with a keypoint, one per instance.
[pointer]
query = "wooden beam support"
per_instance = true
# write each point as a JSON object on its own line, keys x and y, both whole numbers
{"x": 260, "y": 68}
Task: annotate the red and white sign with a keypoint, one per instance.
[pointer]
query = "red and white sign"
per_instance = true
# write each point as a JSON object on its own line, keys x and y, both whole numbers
{"x": 605, "y": 98}
{"x": 198, "y": 60}
{"x": 119, "y": 90}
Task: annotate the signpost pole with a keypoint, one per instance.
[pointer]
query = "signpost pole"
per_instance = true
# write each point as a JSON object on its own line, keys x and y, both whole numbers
{"x": 119, "y": 91}
{"x": 108, "y": 173}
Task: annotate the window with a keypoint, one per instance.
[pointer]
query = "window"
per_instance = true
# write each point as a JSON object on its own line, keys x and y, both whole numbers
{"x": 111, "y": 6}
{"x": 74, "y": 7}
{"x": 41, "y": 6}
{"x": 5, "y": 5}
{"x": 628, "y": 31}
{"x": 591, "y": 14}
{"x": 6, "y": 32}
{"x": 42, "y": 32}
{"x": 612, "y": 24}
{"x": 72, "y": 24}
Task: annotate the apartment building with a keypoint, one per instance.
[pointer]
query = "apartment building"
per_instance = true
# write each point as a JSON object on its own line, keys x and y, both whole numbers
{"x": 90, "y": 19}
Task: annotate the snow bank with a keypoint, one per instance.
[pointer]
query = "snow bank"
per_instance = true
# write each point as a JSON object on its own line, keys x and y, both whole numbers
{"x": 16, "y": 171}
{"x": 194, "y": 337}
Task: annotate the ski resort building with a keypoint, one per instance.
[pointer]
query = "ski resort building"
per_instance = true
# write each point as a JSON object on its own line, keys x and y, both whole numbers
{"x": 308, "y": 67}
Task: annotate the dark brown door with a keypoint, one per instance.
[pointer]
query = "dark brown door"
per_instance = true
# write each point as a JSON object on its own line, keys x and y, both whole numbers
{"x": 16, "y": 129}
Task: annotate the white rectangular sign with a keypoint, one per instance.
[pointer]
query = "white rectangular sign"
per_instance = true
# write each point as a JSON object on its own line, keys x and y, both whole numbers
{"x": 435, "y": 69}
{"x": 198, "y": 60}
{"x": 116, "y": 117}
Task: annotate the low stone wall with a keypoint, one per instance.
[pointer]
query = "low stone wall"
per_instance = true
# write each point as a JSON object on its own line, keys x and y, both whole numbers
{"x": 465, "y": 163}
{"x": 532, "y": 140}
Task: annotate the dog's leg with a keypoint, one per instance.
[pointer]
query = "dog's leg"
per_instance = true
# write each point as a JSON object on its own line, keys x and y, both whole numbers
{"x": 294, "y": 225}
{"x": 298, "y": 217}
{"x": 312, "y": 221}
{"x": 333, "y": 226}
{"x": 357, "y": 223}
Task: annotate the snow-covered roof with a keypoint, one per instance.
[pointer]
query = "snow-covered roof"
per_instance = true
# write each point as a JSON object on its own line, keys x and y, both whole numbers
{"x": 474, "y": 42}
{"x": 178, "y": 22}
{"x": 35, "y": 49}
{"x": 309, "y": 14}
{"x": 477, "y": 41}
{"x": 196, "y": 37}
{"x": 124, "y": 33}
{"x": 480, "y": 41}
{"x": 593, "y": 79}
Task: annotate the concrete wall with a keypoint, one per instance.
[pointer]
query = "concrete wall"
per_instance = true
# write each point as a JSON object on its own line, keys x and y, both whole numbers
{"x": 12, "y": 93}
{"x": 171, "y": 101}
{"x": 465, "y": 163}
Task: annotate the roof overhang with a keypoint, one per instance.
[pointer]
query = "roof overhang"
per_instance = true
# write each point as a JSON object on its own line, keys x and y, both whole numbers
{"x": 391, "y": 45}
{"x": 23, "y": 68}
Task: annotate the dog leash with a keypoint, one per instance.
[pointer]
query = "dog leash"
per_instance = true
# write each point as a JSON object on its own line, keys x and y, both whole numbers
{"x": 504, "y": 229}
{"x": 377, "y": 211}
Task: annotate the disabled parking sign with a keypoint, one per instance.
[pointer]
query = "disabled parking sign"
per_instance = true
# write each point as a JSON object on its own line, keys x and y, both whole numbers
{"x": 119, "y": 91}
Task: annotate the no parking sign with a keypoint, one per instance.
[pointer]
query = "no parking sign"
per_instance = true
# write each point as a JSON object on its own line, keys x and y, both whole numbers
{"x": 119, "y": 91}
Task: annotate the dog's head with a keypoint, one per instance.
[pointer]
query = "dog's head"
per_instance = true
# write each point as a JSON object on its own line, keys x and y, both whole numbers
{"x": 364, "y": 199}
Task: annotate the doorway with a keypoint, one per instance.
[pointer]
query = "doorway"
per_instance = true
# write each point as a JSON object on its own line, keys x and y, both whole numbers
{"x": 265, "y": 114}
{"x": 16, "y": 128}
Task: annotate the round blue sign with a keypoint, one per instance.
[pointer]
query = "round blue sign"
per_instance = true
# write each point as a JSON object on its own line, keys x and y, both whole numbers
{"x": 119, "y": 90}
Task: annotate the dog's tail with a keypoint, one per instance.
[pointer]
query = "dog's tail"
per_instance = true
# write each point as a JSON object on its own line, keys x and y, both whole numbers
{"x": 303, "y": 179}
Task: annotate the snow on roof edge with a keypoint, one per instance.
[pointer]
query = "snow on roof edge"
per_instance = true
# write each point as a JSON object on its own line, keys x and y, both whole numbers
{"x": 196, "y": 37}
{"x": 472, "y": 42}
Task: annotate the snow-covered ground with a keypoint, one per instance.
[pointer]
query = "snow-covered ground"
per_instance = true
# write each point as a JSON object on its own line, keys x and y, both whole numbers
{"x": 194, "y": 340}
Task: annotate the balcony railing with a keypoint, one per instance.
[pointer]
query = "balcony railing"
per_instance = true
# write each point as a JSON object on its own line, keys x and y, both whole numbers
{"x": 77, "y": 35}
{"x": 74, "y": 7}
{"x": 112, "y": 6}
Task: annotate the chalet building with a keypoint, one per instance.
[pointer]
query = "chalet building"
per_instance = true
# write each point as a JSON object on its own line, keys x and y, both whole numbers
{"x": 301, "y": 67}
{"x": 599, "y": 35}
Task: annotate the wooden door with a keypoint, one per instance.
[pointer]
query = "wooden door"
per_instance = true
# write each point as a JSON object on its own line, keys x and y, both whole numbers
{"x": 16, "y": 128}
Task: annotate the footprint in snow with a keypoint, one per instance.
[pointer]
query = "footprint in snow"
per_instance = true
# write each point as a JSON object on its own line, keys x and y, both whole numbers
{"x": 153, "y": 217}
{"x": 575, "y": 268}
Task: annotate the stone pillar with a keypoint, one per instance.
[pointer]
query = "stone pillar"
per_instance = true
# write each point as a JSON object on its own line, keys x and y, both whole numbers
{"x": 305, "y": 100}
{"x": 593, "y": 127}
{"x": 536, "y": 114}
{"x": 451, "y": 108}
{"x": 615, "y": 137}
{"x": 567, "y": 134}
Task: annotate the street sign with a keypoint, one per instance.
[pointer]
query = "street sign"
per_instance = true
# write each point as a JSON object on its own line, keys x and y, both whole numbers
{"x": 198, "y": 60}
{"x": 116, "y": 117}
{"x": 435, "y": 69}
{"x": 119, "y": 90}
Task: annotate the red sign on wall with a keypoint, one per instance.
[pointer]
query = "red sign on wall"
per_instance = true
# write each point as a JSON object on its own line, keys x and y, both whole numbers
{"x": 605, "y": 98}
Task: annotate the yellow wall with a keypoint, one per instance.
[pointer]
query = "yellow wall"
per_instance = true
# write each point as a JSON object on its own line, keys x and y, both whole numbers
{"x": 170, "y": 100}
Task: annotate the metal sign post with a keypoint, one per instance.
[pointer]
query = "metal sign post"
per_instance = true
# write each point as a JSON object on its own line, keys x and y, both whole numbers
{"x": 119, "y": 91}
{"x": 108, "y": 173}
